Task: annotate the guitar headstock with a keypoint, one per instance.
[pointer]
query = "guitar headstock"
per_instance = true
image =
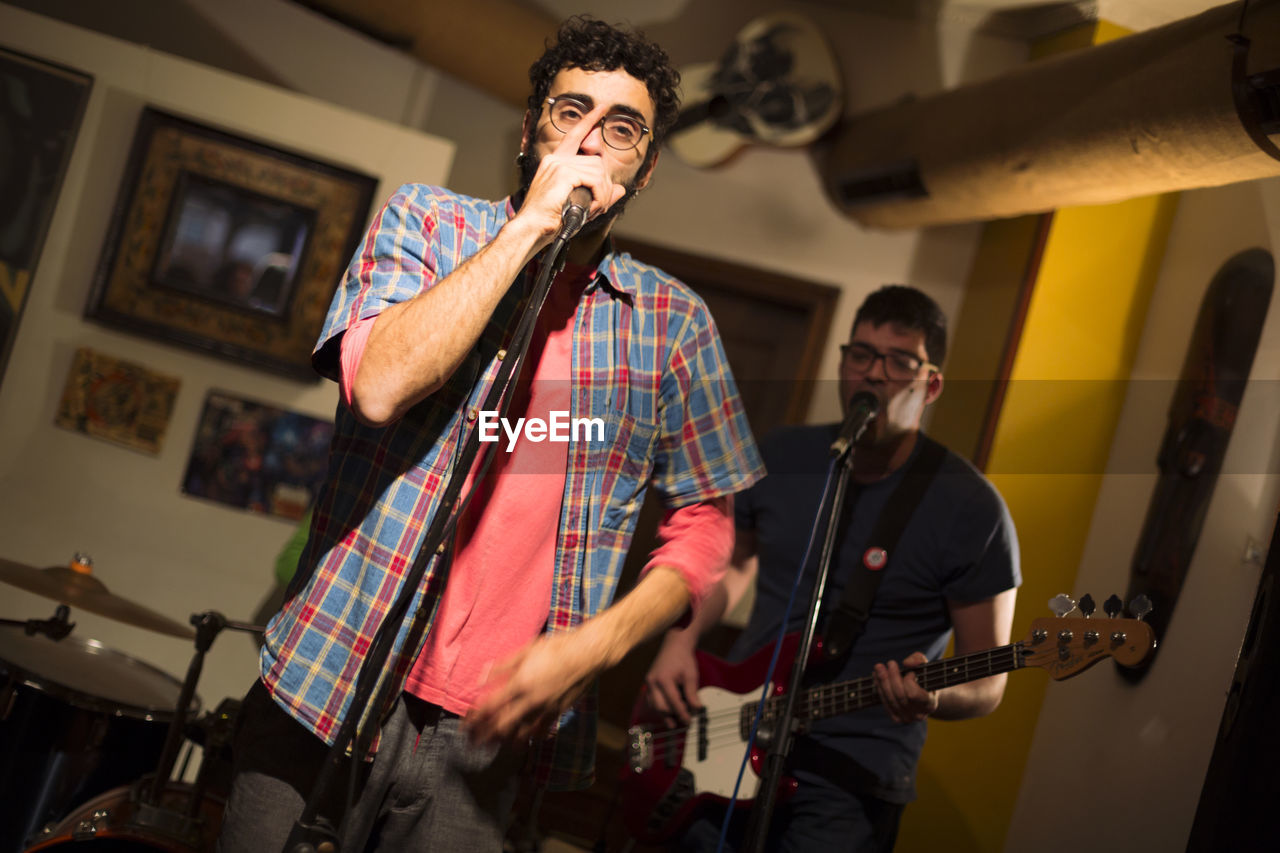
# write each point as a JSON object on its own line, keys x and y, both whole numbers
{"x": 1066, "y": 646}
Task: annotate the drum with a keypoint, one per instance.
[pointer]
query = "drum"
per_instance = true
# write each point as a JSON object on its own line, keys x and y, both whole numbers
{"x": 118, "y": 821}
{"x": 76, "y": 719}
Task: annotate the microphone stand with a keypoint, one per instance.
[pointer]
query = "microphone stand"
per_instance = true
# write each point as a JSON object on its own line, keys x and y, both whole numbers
{"x": 783, "y": 727}
{"x": 312, "y": 832}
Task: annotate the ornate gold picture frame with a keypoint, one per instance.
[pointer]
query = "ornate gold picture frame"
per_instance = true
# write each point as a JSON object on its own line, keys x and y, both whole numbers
{"x": 227, "y": 245}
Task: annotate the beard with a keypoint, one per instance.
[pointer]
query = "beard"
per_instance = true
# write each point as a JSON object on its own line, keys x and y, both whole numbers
{"x": 529, "y": 167}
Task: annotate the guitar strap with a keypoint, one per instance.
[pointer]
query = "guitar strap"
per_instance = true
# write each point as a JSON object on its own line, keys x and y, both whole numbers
{"x": 849, "y": 618}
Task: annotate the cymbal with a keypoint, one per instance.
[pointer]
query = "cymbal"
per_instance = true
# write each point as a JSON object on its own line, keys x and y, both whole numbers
{"x": 75, "y": 586}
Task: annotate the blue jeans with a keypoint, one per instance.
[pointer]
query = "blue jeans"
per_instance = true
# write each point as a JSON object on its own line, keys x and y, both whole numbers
{"x": 427, "y": 788}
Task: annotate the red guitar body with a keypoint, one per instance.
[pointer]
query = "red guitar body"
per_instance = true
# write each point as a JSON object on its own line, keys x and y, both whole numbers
{"x": 672, "y": 774}
{"x": 680, "y": 780}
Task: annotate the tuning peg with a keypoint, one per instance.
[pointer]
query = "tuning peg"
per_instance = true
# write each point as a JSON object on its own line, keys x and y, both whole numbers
{"x": 1062, "y": 604}
{"x": 1113, "y": 606}
{"x": 1140, "y": 606}
{"x": 1086, "y": 605}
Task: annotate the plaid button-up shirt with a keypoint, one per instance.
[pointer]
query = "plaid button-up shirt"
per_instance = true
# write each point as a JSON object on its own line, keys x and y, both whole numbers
{"x": 646, "y": 360}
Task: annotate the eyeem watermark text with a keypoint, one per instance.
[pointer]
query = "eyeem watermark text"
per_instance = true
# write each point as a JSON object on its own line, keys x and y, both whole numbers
{"x": 560, "y": 427}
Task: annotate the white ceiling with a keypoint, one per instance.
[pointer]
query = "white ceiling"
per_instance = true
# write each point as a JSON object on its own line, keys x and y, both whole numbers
{"x": 1131, "y": 14}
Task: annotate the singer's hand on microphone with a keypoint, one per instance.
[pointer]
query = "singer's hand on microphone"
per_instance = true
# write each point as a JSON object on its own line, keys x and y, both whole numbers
{"x": 571, "y": 164}
{"x": 576, "y": 209}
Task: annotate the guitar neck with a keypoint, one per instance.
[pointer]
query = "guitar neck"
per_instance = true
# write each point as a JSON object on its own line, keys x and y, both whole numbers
{"x": 829, "y": 700}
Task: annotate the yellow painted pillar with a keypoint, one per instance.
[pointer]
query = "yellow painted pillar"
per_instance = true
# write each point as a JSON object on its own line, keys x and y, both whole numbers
{"x": 1056, "y": 307}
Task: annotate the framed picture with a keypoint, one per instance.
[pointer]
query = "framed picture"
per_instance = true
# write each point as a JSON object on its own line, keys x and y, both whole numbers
{"x": 227, "y": 245}
{"x": 117, "y": 401}
{"x": 40, "y": 110}
{"x": 257, "y": 457}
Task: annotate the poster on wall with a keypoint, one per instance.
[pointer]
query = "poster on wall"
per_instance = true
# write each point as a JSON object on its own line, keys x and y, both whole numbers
{"x": 257, "y": 457}
{"x": 117, "y": 401}
{"x": 40, "y": 110}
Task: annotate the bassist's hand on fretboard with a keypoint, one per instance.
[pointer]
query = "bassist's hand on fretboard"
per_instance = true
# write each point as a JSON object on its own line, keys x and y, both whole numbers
{"x": 903, "y": 697}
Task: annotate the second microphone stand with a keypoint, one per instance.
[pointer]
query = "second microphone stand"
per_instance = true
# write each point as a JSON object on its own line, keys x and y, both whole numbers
{"x": 783, "y": 725}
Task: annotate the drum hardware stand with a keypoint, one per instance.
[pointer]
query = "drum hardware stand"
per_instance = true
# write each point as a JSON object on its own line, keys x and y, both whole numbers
{"x": 219, "y": 731}
{"x": 151, "y": 813}
{"x": 56, "y": 626}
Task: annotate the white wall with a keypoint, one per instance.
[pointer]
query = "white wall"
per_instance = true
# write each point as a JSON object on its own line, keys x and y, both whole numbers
{"x": 61, "y": 491}
{"x": 312, "y": 54}
{"x": 1123, "y": 764}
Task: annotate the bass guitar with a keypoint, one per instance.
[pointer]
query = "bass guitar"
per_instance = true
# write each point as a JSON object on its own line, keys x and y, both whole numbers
{"x": 673, "y": 773}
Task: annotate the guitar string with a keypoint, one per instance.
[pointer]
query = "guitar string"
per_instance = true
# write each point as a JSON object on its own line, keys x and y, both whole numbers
{"x": 715, "y": 734}
{"x": 861, "y": 692}
{"x": 857, "y": 694}
{"x": 834, "y": 698}
{"x": 725, "y": 730}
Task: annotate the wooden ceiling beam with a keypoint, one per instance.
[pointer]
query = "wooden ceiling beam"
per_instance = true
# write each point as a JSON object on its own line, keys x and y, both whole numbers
{"x": 489, "y": 44}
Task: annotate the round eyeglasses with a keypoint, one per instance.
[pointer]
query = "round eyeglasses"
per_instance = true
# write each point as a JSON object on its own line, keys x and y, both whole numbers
{"x": 897, "y": 365}
{"x": 620, "y": 132}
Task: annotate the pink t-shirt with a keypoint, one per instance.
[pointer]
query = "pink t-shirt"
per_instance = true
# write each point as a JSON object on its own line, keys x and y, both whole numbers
{"x": 499, "y": 590}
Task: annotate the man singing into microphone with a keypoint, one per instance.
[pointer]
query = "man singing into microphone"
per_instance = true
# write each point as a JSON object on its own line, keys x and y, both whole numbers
{"x": 493, "y": 670}
{"x": 954, "y": 568}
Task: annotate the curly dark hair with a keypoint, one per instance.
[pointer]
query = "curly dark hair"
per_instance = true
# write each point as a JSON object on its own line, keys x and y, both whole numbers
{"x": 592, "y": 45}
{"x": 912, "y": 309}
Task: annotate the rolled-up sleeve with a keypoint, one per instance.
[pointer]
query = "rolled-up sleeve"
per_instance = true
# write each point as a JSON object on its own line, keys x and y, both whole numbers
{"x": 394, "y": 263}
{"x": 705, "y": 448}
{"x": 697, "y": 541}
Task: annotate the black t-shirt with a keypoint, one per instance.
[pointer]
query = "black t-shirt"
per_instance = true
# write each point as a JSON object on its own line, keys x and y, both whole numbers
{"x": 960, "y": 545}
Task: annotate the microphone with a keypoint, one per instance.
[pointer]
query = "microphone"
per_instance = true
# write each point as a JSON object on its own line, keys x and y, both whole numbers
{"x": 574, "y": 215}
{"x": 862, "y": 411}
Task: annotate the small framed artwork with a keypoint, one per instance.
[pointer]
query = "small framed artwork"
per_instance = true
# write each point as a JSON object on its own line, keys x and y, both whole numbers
{"x": 257, "y": 457}
{"x": 41, "y": 105}
{"x": 117, "y": 401}
{"x": 227, "y": 245}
